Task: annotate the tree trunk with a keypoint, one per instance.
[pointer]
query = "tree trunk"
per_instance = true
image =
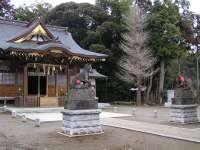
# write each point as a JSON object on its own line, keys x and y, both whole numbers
{"x": 139, "y": 98}
{"x": 161, "y": 81}
{"x": 148, "y": 90}
{"x": 197, "y": 78}
{"x": 139, "y": 95}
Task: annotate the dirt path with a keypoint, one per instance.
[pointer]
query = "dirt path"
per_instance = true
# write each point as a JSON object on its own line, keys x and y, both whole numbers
{"x": 14, "y": 131}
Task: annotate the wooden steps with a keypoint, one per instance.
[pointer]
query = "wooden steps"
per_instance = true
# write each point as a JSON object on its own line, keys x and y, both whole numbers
{"x": 48, "y": 101}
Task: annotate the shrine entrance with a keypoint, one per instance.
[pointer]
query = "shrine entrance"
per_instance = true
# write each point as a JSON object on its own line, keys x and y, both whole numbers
{"x": 44, "y": 85}
{"x": 37, "y": 85}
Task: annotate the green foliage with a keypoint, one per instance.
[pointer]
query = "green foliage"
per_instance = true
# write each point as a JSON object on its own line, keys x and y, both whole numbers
{"x": 187, "y": 65}
{"x": 92, "y": 37}
{"x": 29, "y": 13}
{"x": 164, "y": 33}
{"x": 24, "y": 14}
{"x": 99, "y": 28}
{"x": 172, "y": 73}
{"x": 100, "y": 48}
{"x": 112, "y": 31}
{"x": 166, "y": 39}
{"x": 81, "y": 19}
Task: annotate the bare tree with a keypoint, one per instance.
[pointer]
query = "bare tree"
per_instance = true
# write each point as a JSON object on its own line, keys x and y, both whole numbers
{"x": 138, "y": 62}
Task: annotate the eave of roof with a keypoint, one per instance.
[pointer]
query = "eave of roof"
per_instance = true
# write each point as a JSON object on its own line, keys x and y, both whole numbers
{"x": 67, "y": 43}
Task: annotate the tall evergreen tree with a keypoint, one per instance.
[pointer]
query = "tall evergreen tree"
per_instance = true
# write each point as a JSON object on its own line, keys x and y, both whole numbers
{"x": 29, "y": 13}
{"x": 112, "y": 33}
{"x": 165, "y": 35}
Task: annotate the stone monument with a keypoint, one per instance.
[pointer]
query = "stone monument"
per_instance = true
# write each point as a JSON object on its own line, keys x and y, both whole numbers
{"x": 183, "y": 108}
{"x": 81, "y": 114}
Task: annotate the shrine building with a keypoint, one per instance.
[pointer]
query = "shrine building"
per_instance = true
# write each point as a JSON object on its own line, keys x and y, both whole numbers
{"x": 37, "y": 63}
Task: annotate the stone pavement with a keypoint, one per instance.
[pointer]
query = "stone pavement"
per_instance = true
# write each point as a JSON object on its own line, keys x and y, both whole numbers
{"x": 192, "y": 135}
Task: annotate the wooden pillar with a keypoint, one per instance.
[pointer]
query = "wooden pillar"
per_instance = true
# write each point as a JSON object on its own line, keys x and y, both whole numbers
{"x": 68, "y": 77}
{"x": 56, "y": 85}
{"x": 47, "y": 86}
{"x": 25, "y": 83}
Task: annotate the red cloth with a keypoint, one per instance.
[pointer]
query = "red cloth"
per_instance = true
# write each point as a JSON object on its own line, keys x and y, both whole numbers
{"x": 181, "y": 78}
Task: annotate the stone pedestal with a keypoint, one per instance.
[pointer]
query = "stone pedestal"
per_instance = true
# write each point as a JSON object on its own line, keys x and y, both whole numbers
{"x": 81, "y": 122}
{"x": 183, "y": 108}
{"x": 184, "y": 114}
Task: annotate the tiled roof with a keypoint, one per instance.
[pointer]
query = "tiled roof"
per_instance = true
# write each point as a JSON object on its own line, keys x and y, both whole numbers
{"x": 12, "y": 29}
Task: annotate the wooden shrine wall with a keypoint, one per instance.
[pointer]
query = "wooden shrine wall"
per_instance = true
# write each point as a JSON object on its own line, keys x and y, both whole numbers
{"x": 61, "y": 82}
{"x": 57, "y": 85}
{"x": 9, "y": 90}
{"x": 11, "y": 84}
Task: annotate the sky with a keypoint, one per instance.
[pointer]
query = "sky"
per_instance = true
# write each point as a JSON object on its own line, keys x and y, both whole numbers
{"x": 195, "y": 4}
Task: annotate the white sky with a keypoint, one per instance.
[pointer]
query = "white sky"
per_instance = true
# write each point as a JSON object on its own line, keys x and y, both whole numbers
{"x": 195, "y": 4}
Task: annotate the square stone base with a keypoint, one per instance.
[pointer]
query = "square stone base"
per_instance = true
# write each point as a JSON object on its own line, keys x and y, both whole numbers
{"x": 81, "y": 122}
{"x": 183, "y": 114}
{"x": 167, "y": 104}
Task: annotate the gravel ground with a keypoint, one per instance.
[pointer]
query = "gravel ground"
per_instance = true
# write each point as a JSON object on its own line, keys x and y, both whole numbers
{"x": 15, "y": 132}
